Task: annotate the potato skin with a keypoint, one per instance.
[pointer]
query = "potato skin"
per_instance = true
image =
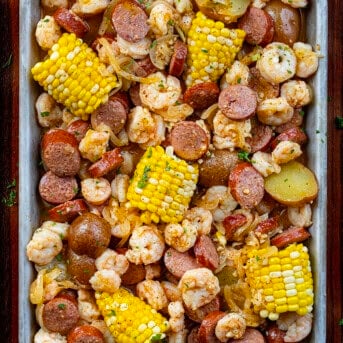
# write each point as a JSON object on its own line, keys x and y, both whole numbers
{"x": 80, "y": 267}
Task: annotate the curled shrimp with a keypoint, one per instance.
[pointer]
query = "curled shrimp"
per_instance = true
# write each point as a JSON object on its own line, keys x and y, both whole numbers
{"x": 200, "y": 218}
{"x": 89, "y": 7}
{"x": 160, "y": 19}
{"x": 286, "y": 151}
{"x": 176, "y": 112}
{"x": 43, "y": 336}
{"x": 146, "y": 245}
{"x": 198, "y": 287}
{"x": 297, "y": 93}
{"x": 47, "y": 32}
{"x": 264, "y": 163}
{"x": 238, "y": 73}
{"x": 300, "y": 216}
{"x": 231, "y": 325}
{"x": 60, "y": 228}
{"x": 159, "y": 134}
{"x": 164, "y": 92}
{"x": 277, "y": 63}
{"x": 296, "y": 3}
{"x": 274, "y": 111}
{"x": 135, "y": 50}
{"x": 152, "y": 271}
{"x": 48, "y": 112}
{"x": 171, "y": 291}
{"x": 105, "y": 280}
{"x": 88, "y": 309}
{"x": 110, "y": 259}
{"x": 297, "y": 327}
{"x": 177, "y": 316}
{"x": 181, "y": 237}
{"x": 119, "y": 186}
{"x": 307, "y": 60}
{"x": 96, "y": 190}
{"x": 152, "y": 292}
{"x": 94, "y": 144}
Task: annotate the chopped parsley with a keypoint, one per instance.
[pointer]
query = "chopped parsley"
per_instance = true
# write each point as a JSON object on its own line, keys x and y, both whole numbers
{"x": 86, "y": 271}
{"x": 167, "y": 166}
{"x": 45, "y": 114}
{"x": 10, "y": 199}
{"x": 59, "y": 257}
{"x": 149, "y": 154}
{"x": 46, "y": 20}
{"x": 155, "y": 338}
{"x": 161, "y": 84}
{"x": 144, "y": 179}
{"x": 339, "y": 122}
{"x": 340, "y": 322}
{"x": 289, "y": 72}
{"x": 153, "y": 44}
{"x": 239, "y": 80}
{"x": 204, "y": 50}
{"x": 177, "y": 102}
{"x": 302, "y": 113}
{"x": 8, "y": 62}
{"x": 285, "y": 180}
{"x": 61, "y": 306}
{"x": 76, "y": 190}
{"x": 255, "y": 57}
{"x": 244, "y": 156}
{"x": 317, "y": 131}
{"x": 258, "y": 258}
{"x": 171, "y": 22}
{"x": 113, "y": 313}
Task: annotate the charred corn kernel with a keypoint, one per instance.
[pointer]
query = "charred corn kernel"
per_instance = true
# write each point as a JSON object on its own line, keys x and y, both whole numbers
{"x": 130, "y": 319}
{"x": 212, "y": 48}
{"x": 72, "y": 73}
{"x": 284, "y": 280}
{"x": 162, "y": 186}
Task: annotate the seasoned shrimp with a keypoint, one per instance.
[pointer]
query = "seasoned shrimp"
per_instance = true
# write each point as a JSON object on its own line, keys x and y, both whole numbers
{"x": 298, "y": 327}
{"x": 43, "y": 336}
{"x": 277, "y": 63}
{"x": 296, "y": 3}
{"x": 109, "y": 259}
{"x": 49, "y": 113}
{"x": 297, "y": 93}
{"x": 161, "y": 19}
{"x": 201, "y": 218}
{"x": 101, "y": 326}
{"x": 286, "y": 151}
{"x": 159, "y": 134}
{"x": 162, "y": 93}
{"x": 105, "y": 280}
{"x": 177, "y": 316}
{"x": 96, "y": 190}
{"x": 86, "y": 304}
{"x": 47, "y": 32}
{"x": 152, "y": 292}
{"x": 43, "y": 246}
{"x": 307, "y": 60}
{"x": 119, "y": 186}
{"x": 183, "y": 6}
{"x": 264, "y": 163}
{"x": 147, "y": 245}
{"x": 94, "y": 144}
{"x": 238, "y": 73}
{"x": 259, "y": 3}
{"x": 300, "y": 216}
{"x": 181, "y": 237}
{"x": 171, "y": 291}
{"x": 231, "y": 326}
{"x": 152, "y": 271}
{"x": 136, "y": 50}
{"x": 89, "y": 7}
{"x": 176, "y": 112}
{"x": 275, "y": 111}
{"x": 198, "y": 287}
{"x": 55, "y": 3}
{"x": 60, "y": 228}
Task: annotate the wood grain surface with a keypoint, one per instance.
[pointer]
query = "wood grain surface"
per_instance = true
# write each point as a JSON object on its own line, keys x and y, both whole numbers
{"x": 9, "y": 28}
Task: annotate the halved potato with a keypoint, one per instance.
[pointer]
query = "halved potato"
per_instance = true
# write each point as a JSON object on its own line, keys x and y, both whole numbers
{"x": 295, "y": 185}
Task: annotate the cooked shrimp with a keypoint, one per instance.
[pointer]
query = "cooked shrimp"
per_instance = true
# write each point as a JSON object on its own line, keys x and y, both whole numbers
{"x": 55, "y": 3}
{"x": 47, "y": 32}
{"x": 177, "y": 316}
{"x": 275, "y": 111}
{"x": 171, "y": 291}
{"x": 200, "y": 218}
{"x": 101, "y": 326}
{"x": 300, "y": 216}
{"x": 152, "y": 292}
{"x": 231, "y": 326}
{"x": 277, "y": 63}
{"x": 183, "y": 6}
{"x": 43, "y": 336}
{"x": 60, "y": 228}
{"x": 86, "y": 304}
{"x": 176, "y": 112}
{"x": 238, "y": 73}
{"x": 159, "y": 134}
{"x": 286, "y": 151}
{"x": 152, "y": 271}
{"x": 105, "y": 280}
{"x": 147, "y": 245}
{"x": 181, "y": 237}
{"x": 135, "y": 50}
{"x": 161, "y": 19}
{"x": 49, "y": 113}
{"x": 96, "y": 190}
{"x": 307, "y": 60}
{"x": 127, "y": 167}
{"x": 296, "y": 3}
{"x": 264, "y": 163}
{"x": 198, "y": 287}
{"x": 43, "y": 246}
{"x": 297, "y": 93}
{"x": 109, "y": 259}
{"x": 119, "y": 186}
{"x": 162, "y": 93}
{"x": 259, "y": 3}
{"x": 298, "y": 327}
{"x": 94, "y": 144}
{"x": 89, "y": 7}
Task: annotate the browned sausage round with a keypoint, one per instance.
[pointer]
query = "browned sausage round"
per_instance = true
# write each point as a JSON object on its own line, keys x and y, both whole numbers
{"x": 179, "y": 262}
{"x": 206, "y": 253}
{"x": 260, "y": 137}
{"x": 237, "y": 102}
{"x": 110, "y": 160}
{"x": 208, "y": 326}
{"x": 144, "y": 67}
{"x": 295, "y": 121}
{"x": 246, "y": 184}
{"x": 134, "y": 95}
{"x": 57, "y": 190}
{"x": 60, "y": 315}
{"x": 68, "y": 211}
{"x": 233, "y": 222}
{"x": 294, "y": 134}
{"x": 60, "y": 152}
{"x": 258, "y": 26}
{"x": 275, "y": 335}
{"x": 178, "y": 59}
{"x": 193, "y": 336}
{"x": 130, "y": 21}
{"x": 78, "y": 128}
{"x": 85, "y": 334}
{"x": 135, "y": 273}
{"x": 199, "y": 314}
{"x": 123, "y": 98}
{"x": 268, "y": 226}
{"x": 71, "y": 22}
{"x": 250, "y": 336}
{"x": 89, "y": 235}
{"x": 201, "y": 95}
{"x": 289, "y": 236}
{"x": 189, "y": 140}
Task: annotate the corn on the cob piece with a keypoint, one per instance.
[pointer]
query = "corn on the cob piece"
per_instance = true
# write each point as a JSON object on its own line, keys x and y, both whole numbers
{"x": 74, "y": 76}
{"x": 162, "y": 186}
{"x": 129, "y": 319}
{"x": 280, "y": 280}
{"x": 211, "y": 49}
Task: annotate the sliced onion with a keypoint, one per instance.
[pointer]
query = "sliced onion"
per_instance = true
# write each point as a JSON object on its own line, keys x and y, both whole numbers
{"x": 106, "y": 19}
{"x": 162, "y": 51}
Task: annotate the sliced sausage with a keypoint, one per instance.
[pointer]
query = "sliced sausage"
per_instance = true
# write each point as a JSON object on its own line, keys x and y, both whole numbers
{"x": 60, "y": 315}
{"x": 208, "y": 326}
{"x": 296, "y": 120}
{"x": 202, "y": 95}
{"x": 199, "y": 314}
{"x": 134, "y": 95}
{"x": 179, "y": 262}
{"x": 246, "y": 184}
{"x": 130, "y": 21}
{"x": 68, "y": 294}
{"x": 123, "y": 98}
{"x": 237, "y": 102}
{"x": 135, "y": 273}
{"x": 110, "y": 160}
{"x": 275, "y": 335}
{"x": 56, "y": 190}
{"x": 233, "y": 222}
{"x": 289, "y": 236}
{"x": 206, "y": 253}
{"x": 189, "y": 140}
{"x": 68, "y": 211}
{"x": 261, "y": 135}
{"x": 250, "y": 336}
{"x": 85, "y": 334}
{"x": 178, "y": 60}
{"x": 78, "y": 128}
{"x": 294, "y": 134}
{"x": 60, "y": 152}
{"x": 193, "y": 336}
{"x": 258, "y": 26}
{"x": 268, "y": 226}
{"x": 71, "y": 22}
{"x": 144, "y": 67}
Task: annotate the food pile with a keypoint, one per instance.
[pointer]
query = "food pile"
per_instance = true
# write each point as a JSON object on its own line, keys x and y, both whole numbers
{"x": 175, "y": 197}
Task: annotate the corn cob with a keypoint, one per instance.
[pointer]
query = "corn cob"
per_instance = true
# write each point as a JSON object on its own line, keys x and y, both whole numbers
{"x": 74, "y": 76}
{"x": 162, "y": 186}
{"x": 212, "y": 48}
{"x": 280, "y": 280}
{"x": 129, "y": 319}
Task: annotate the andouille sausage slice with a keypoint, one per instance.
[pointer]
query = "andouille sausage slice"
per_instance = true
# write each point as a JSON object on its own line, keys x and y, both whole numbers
{"x": 134, "y": 95}
{"x": 110, "y": 160}
{"x": 123, "y": 98}
{"x": 275, "y": 335}
{"x": 258, "y": 26}
{"x": 261, "y": 135}
{"x": 208, "y": 326}
{"x": 85, "y": 334}
{"x": 193, "y": 336}
{"x": 233, "y": 222}
{"x": 206, "y": 253}
{"x": 68, "y": 211}
{"x": 294, "y": 134}
{"x": 237, "y": 102}
{"x": 57, "y": 190}
{"x": 250, "y": 336}
{"x": 78, "y": 128}
{"x": 71, "y": 22}
{"x": 60, "y": 315}
{"x": 246, "y": 185}
{"x": 178, "y": 60}
{"x": 130, "y": 21}
{"x": 268, "y": 226}
{"x": 60, "y": 152}
{"x": 201, "y": 95}
{"x": 200, "y": 313}
{"x": 144, "y": 67}
{"x": 289, "y": 236}
{"x": 189, "y": 140}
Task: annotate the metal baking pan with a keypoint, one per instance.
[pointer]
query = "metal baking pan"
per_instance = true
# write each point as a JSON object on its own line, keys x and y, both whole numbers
{"x": 29, "y": 158}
